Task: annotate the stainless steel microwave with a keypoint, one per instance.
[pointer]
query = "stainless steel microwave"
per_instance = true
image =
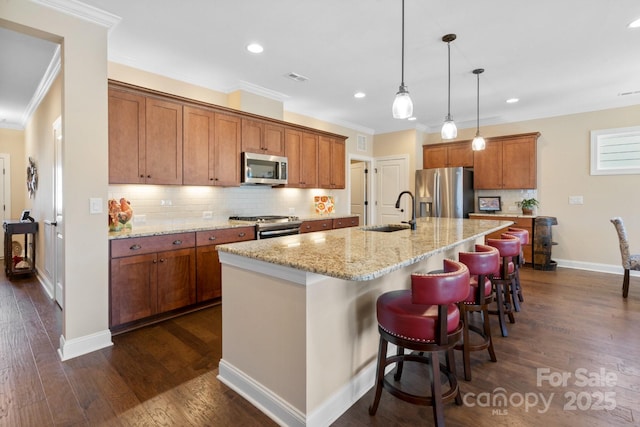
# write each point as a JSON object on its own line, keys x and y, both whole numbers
{"x": 264, "y": 169}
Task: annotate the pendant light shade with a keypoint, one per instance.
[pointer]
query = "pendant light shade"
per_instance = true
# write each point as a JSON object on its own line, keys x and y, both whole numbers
{"x": 449, "y": 128}
{"x": 478, "y": 142}
{"x": 402, "y": 105}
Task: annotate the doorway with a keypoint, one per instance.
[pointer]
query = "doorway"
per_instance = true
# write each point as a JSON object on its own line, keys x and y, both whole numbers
{"x": 360, "y": 189}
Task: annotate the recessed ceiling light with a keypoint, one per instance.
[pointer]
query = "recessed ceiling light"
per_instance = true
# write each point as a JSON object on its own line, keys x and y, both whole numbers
{"x": 359, "y": 95}
{"x": 255, "y": 48}
{"x": 412, "y": 118}
{"x": 512, "y": 100}
{"x": 635, "y": 24}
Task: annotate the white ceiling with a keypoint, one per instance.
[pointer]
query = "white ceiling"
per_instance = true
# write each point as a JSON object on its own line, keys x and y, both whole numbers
{"x": 557, "y": 57}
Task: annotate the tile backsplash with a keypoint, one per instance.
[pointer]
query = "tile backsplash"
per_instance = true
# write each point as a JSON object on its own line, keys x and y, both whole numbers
{"x": 162, "y": 204}
{"x": 508, "y": 198}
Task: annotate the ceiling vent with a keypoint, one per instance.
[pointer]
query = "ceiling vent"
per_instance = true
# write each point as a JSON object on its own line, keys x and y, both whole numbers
{"x": 297, "y": 77}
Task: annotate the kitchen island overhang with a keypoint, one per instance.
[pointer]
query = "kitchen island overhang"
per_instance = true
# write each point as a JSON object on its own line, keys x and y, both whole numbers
{"x": 299, "y": 324}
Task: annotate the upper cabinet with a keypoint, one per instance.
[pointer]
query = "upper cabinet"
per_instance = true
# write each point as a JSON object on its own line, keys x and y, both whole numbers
{"x": 301, "y": 149}
{"x": 447, "y": 155}
{"x": 157, "y": 138}
{"x": 331, "y": 162}
{"x": 211, "y": 147}
{"x": 262, "y": 137}
{"x": 508, "y": 162}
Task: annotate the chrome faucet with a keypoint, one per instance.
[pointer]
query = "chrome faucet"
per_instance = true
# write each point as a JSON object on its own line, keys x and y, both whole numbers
{"x": 412, "y": 223}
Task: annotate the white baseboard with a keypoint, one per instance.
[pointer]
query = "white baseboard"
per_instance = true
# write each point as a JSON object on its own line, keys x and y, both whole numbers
{"x": 45, "y": 283}
{"x": 591, "y": 266}
{"x": 83, "y": 345}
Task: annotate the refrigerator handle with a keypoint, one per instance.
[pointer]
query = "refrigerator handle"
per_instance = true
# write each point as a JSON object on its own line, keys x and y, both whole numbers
{"x": 436, "y": 208}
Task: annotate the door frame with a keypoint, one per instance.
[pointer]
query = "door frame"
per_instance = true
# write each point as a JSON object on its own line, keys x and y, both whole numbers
{"x": 369, "y": 187}
{"x": 6, "y": 173}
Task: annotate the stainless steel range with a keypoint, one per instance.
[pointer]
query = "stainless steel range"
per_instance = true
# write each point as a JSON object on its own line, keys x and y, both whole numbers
{"x": 268, "y": 226}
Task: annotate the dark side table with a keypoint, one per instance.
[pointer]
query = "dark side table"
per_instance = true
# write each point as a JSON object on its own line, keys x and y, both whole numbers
{"x": 19, "y": 251}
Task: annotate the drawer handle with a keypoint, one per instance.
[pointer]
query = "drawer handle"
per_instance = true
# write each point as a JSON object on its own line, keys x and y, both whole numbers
{"x": 242, "y": 234}
{"x": 308, "y": 227}
{"x": 325, "y": 225}
{"x": 135, "y": 247}
{"x": 162, "y": 260}
{"x": 177, "y": 242}
{"x": 155, "y": 261}
{"x": 212, "y": 237}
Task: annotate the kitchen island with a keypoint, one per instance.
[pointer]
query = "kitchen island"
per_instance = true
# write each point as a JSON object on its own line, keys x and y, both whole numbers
{"x": 299, "y": 328}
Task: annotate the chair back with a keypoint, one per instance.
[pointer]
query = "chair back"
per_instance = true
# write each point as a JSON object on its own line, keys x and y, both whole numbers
{"x": 508, "y": 245}
{"x": 484, "y": 261}
{"x": 445, "y": 288}
{"x": 521, "y": 233}
{"x": 624, "y": 242}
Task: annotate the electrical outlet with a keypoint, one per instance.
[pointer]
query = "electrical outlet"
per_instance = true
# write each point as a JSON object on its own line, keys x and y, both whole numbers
{"x": 207, "y": 214}
{"x": 95, "y": 205}
{"x": 139, "y": 219}
{"x": 576, "y": 200}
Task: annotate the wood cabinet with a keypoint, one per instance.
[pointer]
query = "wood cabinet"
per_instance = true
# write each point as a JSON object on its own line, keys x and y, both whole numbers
{"x": 352, "y": 221}
{"x": 208, "y": 277}
{"x": 447, "y": 155}
{"x": 316, "y": 225}
{"x": 507, "y": 162}
{"x": 312, "y": 225}
{"x": 126, "y": 137}
{"x": 526, "y": 223}
{"x": 157, "y": 138}
{"x": 211, "y": 148}
{"x": 331, "y": 162}
{"x": 145, "y": 139}
{"x": 301, "y": 149}
{"x": 262, "y": 137}
{"x": 151, "y": 275}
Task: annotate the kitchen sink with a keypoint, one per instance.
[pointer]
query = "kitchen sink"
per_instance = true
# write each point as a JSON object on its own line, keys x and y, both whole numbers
{"x": 387, "y": 228}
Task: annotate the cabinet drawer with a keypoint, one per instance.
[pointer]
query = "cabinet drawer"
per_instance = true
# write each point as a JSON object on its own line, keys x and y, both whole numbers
{"x": 346, "y": 222}
{"x": 225, "y": 235}
{"x": 316, "y": 225}
{"x": 146, "y": 245}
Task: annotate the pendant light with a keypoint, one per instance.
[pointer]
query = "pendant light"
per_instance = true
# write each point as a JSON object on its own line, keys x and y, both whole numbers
{"x": 449, "y": 129}
{"x": 478, "y": 142}
{"x": 402, "y": 105}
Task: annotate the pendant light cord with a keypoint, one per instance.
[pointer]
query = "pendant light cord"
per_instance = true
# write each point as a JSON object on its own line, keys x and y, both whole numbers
{"x": 478, "y": 107}
{"x": 449, "y": 81}
{"x": 402, "y": 68}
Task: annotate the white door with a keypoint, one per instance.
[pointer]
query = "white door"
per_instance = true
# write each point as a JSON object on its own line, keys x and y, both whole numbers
{"x": 391, "y": 180}
{"x": 358, "y": 187}
{"x": 58, "y": 224}
{"x": 5, "y": 196}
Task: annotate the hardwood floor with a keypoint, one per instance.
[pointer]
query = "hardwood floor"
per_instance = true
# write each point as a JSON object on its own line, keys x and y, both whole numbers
{"x": 572, "y": 323}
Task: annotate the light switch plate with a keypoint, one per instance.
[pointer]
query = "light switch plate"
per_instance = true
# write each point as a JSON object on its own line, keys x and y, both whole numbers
{"x": 95, "y": 205}
{"x": 576, "y": 200}
{"x": 207, "y": 214}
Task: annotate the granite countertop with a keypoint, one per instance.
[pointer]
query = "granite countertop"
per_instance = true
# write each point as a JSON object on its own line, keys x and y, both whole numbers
{"x": 193, "y": 226}
{"x": 357, "y": 254}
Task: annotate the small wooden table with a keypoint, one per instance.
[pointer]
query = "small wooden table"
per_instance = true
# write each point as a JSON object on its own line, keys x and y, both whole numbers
{"x": 19, "y": 254}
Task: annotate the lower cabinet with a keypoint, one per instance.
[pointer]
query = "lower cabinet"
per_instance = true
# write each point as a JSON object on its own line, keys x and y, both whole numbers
{"x": 209, "y": 280}
{"x": 328, "y": 224}
{"x": 151, "y": 275}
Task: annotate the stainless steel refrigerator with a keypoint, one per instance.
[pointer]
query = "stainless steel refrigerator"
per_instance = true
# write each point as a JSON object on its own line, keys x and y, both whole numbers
{"x": 445, "y": 192}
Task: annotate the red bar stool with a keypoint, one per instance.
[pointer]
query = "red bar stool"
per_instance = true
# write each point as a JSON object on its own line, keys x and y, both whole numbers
{"x": 523, "y": 235}
{"x": 509, "y": 247}
{"x": 482, "y": 264}
{"x": 425, "y": 319}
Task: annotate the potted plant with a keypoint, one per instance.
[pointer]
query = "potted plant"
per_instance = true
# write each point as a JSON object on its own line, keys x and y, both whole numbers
{"x": 527, "y": 205}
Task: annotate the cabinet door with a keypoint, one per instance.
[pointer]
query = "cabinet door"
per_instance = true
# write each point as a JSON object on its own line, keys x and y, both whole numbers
{"x": 198, "y": 146}
{"x": 324, "y": 161}
{"x": 163, "y": 129}
{"x": 309, "y": 160}
{"x": 293, "y": 151}
{"x": 338, "y": 162}
{"x": 133, "y": 288}
{"x": 274, "y": 139}
{"x": 126, "y": 137}
{"x": 316, "y": 225}
{"x": 252, "y": 136}
{"x": 209, "y": 277}
{"x": 519, "y": 163}
{"x": 487, "y": 165}
{"x": 346, "y": 222}
{"x": 460, "y": 154}
{"x": 434, "y": 156}
{"x": 176, "y": 279}
{"x": 226, "y": 171}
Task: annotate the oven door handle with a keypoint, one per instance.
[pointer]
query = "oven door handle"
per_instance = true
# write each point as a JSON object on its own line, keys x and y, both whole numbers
{"x": 273, "y": 233}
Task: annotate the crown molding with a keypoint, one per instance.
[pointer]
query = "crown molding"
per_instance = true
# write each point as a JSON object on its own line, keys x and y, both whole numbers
{"x": 45, "y": 84}
{"x": 82, "y": 11}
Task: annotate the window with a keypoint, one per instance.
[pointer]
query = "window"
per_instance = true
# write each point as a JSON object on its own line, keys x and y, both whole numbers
{"x": 615, "y": 151}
